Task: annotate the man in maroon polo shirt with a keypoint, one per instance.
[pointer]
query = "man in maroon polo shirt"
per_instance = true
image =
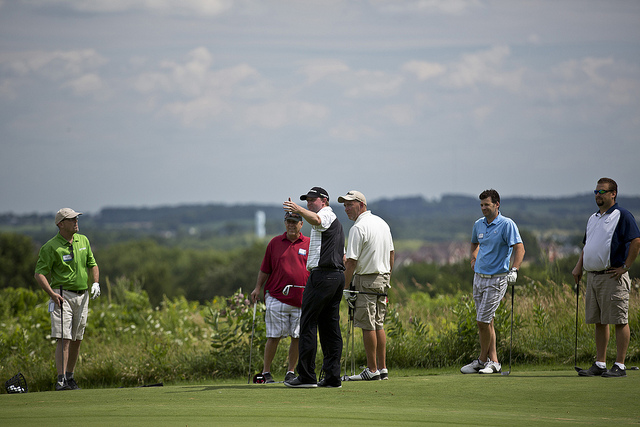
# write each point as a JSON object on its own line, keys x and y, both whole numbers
{"x": 284, "y": 263}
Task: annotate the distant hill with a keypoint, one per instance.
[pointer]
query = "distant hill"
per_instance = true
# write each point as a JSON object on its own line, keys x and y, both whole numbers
{"x": 449, "y": 218}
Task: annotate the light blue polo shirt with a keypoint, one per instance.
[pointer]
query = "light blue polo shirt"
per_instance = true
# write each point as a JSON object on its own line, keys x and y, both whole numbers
{"x": 496, "y": 242}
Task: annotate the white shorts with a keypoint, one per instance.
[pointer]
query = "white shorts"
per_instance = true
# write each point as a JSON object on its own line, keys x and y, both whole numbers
{"x": 282, "y": 319}
{"x": 74, "y": 316}
{"x": 487, "y": 294}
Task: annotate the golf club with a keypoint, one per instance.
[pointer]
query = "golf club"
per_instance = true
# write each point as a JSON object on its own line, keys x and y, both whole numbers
{"x": 349, "y": 335}
{"x": 575, "y": 354}
{"x": 287, "y": 288}
{"x": 511, "y": 344}
{"x": 61, "y": 320}
{"x": 366, "y": 293}
{"x": 253, "y": 329}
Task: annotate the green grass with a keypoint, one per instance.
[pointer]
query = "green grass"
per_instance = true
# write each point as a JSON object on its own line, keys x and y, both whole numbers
{"x": 529, "y": 396}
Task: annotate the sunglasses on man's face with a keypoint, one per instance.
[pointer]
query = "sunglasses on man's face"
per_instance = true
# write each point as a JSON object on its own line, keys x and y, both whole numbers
{"x": 596, "y": 192}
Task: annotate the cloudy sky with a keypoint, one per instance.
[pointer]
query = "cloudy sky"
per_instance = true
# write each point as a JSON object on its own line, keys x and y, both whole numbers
{"x": 109, "y": 103}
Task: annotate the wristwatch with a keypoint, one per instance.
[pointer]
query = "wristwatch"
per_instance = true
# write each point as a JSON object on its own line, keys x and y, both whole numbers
{"x": 625, "y": 267}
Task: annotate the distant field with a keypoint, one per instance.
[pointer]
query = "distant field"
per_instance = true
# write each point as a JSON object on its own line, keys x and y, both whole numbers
{"x": 532, "y": 396}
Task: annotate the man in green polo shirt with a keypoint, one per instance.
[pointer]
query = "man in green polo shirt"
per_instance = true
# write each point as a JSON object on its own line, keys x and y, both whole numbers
{"x": 63, "y": 269}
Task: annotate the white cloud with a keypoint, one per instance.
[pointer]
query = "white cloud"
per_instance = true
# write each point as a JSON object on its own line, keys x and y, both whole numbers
{"x": 352, "y": 133}
{"x": 196, "y": 112}
{"x": 399, "y": 114}
{"x": 603, "y": 80}
{"x": 238, "y": 93}
{"x": 424, "y": 70}
{"x": 54, "y": 65}
{"x": 447, "y": 7}
{"x": 274, "y": 115}
{"x": 319, "y": 69}
{"x": 196, "y": 77}
{"x": 367, "y": 84}
{"x": 169, "y": 7}
{"x": 484, "y": 67}
{"x": 88, "y": 84}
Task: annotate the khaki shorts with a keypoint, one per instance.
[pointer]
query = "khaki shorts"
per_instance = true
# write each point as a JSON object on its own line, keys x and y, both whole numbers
{"x": 76, "y": 310}
{"x": 487, "y": 294}
{"x": 607, "y": 299}
{"x": 282, "y": 320}
{"x": 370, "y": 310}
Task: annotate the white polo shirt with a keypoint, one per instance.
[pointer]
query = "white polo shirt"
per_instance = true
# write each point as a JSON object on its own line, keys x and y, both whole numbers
{"x": 607, "y": 238}
{"x": 370, "y": 243}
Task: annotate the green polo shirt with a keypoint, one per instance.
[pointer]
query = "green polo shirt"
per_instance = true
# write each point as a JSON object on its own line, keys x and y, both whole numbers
{"x": 68, "y": 268}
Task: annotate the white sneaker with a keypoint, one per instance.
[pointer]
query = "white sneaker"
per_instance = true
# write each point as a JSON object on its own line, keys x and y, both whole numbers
{"x": 384, "y": 374}
{"x": 473, "y": 367}
{"x": 366, "y": 375}
{"x": 491, "y": 368}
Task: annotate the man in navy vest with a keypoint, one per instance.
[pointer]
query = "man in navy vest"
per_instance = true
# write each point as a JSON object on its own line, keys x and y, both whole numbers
{"x": 611, "y": 244}
{"x": 322, "y": 293}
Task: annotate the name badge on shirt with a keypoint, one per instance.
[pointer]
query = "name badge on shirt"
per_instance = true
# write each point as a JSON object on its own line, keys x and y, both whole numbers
{"x": 67, "y": 258}
{"x": 480, "y": 235}
{"x": 302, "y": 252}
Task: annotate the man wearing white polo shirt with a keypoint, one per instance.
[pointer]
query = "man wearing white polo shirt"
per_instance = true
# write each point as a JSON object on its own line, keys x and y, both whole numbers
{"x": 495, "y": 241}
{"x": 611, "y": 245}
{"x": 370, "y": 256}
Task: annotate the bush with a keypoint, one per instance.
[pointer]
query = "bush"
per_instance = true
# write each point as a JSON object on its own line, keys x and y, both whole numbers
{"x": 130, "y": 342}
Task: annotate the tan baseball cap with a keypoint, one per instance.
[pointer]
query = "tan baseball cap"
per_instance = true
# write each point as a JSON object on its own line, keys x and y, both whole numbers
{"x": 65, "y": 213}
{"x": 353, "y": 195}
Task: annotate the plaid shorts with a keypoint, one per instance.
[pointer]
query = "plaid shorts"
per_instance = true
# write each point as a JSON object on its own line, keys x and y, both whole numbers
{"x": 487, "y": 294}
{"x": 282, "y": 319}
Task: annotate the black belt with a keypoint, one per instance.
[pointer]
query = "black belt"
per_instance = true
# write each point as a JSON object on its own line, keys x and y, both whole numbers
{"x": 598, "y": 272}
{"x": 326, "y": 269}
{"x": 76, "y": 292}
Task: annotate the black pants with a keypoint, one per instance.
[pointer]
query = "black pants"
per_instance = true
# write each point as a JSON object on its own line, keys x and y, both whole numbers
{"x": 321, "y": 314}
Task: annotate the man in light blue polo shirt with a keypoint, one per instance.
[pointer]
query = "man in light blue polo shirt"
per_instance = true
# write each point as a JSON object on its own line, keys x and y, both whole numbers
{"x": 495, "y": 242}
{"x": 611, "y": 245}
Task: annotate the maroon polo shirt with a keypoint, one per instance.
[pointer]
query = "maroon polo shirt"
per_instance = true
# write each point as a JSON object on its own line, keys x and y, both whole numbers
{"x": 286, "y": 264}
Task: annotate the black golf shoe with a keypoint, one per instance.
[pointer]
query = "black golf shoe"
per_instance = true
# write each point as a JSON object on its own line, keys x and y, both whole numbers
{"x": 62, "y": 385}
{"x": 324, "y": 383}
{"x": 615, "y": 371}
{"x": 73, "y": 385}
{"x": 296, "y": 383}
{"x": 268, "y": 379}
{"x": 593, "y": 371}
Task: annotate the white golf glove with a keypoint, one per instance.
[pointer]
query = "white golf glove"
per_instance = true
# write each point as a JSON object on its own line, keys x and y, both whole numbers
{"x": 512, "y": 276}
{"x": 95, "y": 290}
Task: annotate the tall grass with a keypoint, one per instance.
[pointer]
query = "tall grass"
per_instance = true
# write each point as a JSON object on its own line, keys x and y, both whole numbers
{"x": 129, "y": 342}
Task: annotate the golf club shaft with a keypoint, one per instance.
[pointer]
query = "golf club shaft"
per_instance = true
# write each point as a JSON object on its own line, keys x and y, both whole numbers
{"x": 575, "y": 354}
{"x": 253, "y": 329}
{"x": 367, "y": 293}
{"x": 511, "y": 344}
{"x": 346, "y": 356}
{"x": 61, "y": 318}
{"x": 353, "y": 356}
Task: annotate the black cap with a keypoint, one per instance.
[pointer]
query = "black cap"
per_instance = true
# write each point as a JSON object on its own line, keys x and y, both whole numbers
{"x": 316, "y": 192}
{"x": 292, "y": 216}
